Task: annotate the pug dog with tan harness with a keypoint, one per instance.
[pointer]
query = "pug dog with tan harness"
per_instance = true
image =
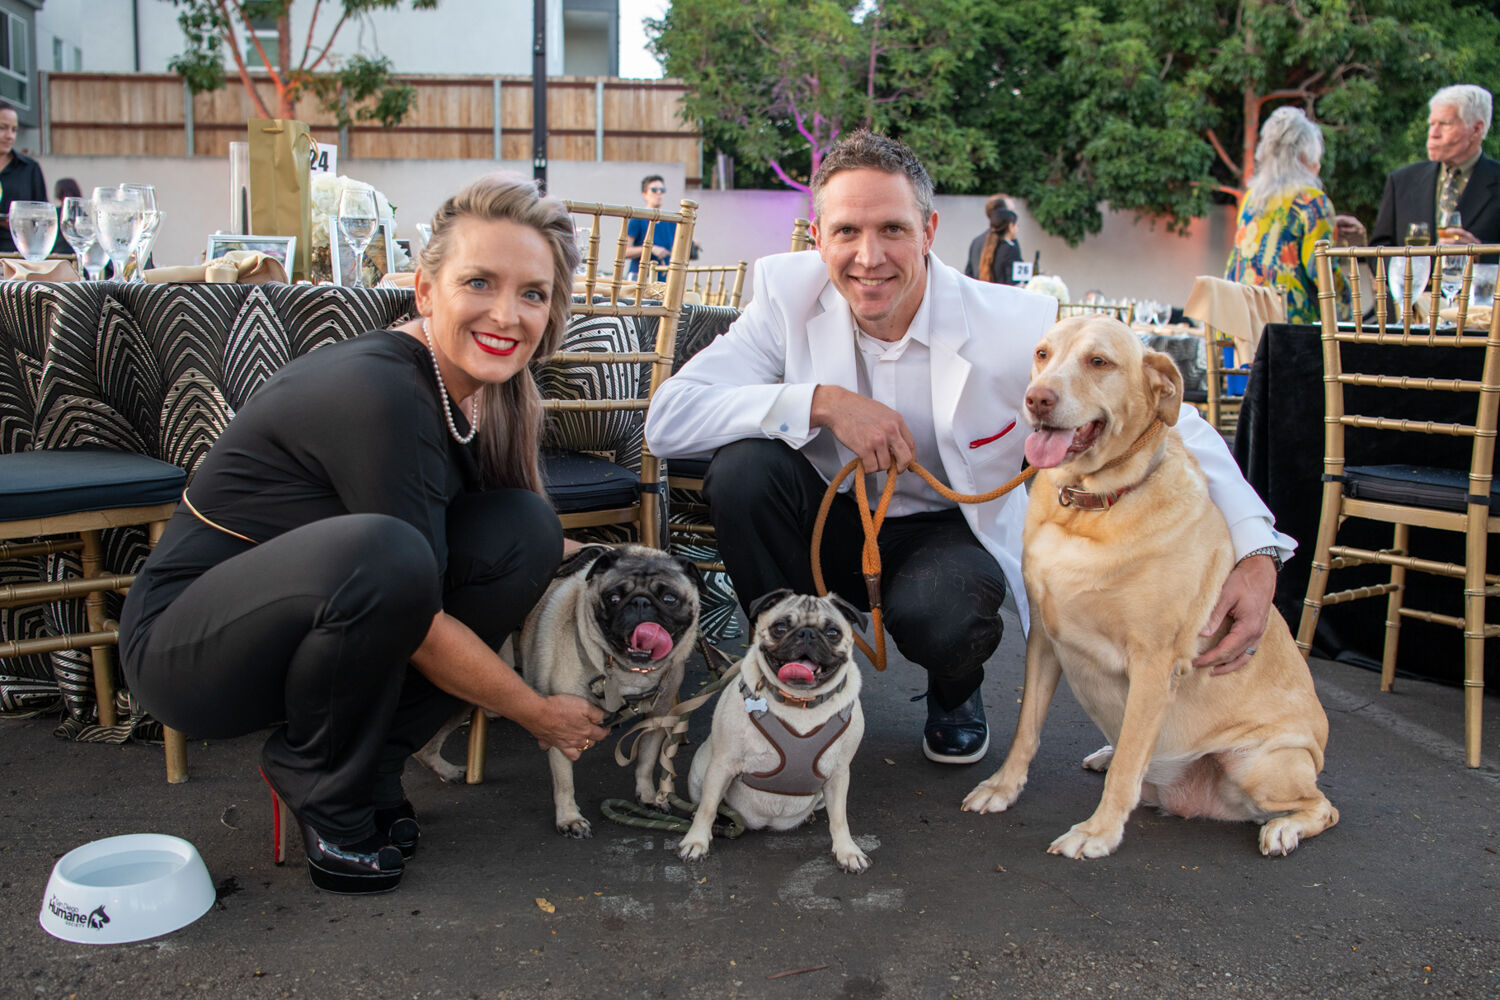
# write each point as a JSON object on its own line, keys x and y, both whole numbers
{"x": 1124, "y": 554}
{"x": 785, "y": 732}
{"x": 617, "y": 626}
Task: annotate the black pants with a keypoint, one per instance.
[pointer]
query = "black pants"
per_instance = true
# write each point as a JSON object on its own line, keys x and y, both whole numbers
{"x": 314, "y": 630}
{"x": 940, "y": 589}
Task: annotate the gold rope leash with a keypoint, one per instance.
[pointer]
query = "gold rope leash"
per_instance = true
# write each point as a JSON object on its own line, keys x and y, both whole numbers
{"x": 870, "y": 555}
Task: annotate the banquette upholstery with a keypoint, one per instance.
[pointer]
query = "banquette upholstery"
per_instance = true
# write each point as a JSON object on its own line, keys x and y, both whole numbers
{"x": 159, "y": 370}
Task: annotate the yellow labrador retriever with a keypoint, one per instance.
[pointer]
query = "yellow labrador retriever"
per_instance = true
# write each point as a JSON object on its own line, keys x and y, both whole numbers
{"x": 1125, "y": 555}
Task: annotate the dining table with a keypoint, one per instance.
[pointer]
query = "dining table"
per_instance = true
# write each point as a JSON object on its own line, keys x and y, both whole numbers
{"x": 1279, "y": 448}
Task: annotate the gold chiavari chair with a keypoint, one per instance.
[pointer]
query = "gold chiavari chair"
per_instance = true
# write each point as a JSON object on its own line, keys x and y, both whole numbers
{"x": 1389, "y": 395}
{"x": 600, "y": 475}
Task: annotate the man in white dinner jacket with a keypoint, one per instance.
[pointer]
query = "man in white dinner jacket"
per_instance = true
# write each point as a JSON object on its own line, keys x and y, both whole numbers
{"x": 874, "y": 348}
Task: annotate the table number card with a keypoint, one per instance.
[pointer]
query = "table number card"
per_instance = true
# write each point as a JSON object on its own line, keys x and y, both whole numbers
{"x": 323, "y": 158}
{"x": 1020, "y": 272}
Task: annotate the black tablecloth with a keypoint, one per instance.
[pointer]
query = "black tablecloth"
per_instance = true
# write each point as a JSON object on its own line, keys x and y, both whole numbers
{"x": 1279, "y": 446}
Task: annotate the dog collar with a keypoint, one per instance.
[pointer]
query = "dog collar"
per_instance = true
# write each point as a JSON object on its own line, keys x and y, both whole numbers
{"x": 787, "y": 698}
{"x": 1072, "y": 496}
{"x": 619, "y": 707}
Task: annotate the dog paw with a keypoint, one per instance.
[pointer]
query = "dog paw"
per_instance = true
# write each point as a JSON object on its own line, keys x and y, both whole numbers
{"x": 851, "y": 859}
{"x": 991, "y": 797}
{"x": 1079, "y": 842}
{"x": 578, "y": 828}
{"x": 1099, "y": 759}
{"x": 692, "y": 848}
{"x": 1280, "y": 836}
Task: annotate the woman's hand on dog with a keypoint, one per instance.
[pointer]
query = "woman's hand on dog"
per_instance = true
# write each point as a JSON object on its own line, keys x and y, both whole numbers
{"x": 567, "y": 722}
{"x": 1246, "y": 601}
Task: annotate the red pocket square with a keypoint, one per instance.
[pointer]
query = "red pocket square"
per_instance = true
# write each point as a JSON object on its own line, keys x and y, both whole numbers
{"x": 981, "y": 442}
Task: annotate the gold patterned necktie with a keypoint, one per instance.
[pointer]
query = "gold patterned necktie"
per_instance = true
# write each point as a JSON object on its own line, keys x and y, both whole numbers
{"x": 1448, "y": 196}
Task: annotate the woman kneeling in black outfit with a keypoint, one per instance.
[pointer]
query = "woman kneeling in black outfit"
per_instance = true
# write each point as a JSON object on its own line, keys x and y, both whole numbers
{"x": 363, "y": 536}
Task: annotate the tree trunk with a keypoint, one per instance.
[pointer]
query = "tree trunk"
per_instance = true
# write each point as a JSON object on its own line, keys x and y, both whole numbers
{"x": 286, "y": 85}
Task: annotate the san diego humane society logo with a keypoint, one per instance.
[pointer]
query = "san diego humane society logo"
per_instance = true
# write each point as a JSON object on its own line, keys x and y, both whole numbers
{"x": 68, "y": 913}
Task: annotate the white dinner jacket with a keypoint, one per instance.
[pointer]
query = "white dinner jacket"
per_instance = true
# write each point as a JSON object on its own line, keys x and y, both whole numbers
{"x": 797, "y": 333}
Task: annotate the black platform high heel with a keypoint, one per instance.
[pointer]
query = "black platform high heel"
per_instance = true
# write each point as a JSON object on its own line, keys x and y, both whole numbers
{"x": 368, "y": 866}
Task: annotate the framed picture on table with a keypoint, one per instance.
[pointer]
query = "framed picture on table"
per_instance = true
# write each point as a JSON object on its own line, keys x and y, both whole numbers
{"x": 379, "y": 257}
{"x": 281, "y": 248}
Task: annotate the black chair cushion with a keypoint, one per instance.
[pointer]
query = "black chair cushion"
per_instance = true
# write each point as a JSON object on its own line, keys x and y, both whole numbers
{"x": 1416, "y": 485}
{"x": 57, "y": 481}
{"x": 695, "y": 467}
{"x": 577, "y": 481}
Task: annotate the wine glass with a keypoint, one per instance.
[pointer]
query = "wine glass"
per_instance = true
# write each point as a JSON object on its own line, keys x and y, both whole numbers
{"x": 357, "y": 221}
{"x": 119, "y": 214}
{"x": 33, "y": 226}
{"x": 1418, "y": 234}
{"x": 140, "y": 251}
{"x": 93, "y": 258}
{"x": 1453, "y": 266}
{"x": 77, "y": 224}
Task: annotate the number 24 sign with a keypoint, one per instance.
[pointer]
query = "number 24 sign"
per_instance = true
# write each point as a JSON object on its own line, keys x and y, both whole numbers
{"x": 323, "y": 159}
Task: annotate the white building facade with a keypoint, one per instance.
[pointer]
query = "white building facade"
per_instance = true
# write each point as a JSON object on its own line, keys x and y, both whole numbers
{"x": 467, "y": 37}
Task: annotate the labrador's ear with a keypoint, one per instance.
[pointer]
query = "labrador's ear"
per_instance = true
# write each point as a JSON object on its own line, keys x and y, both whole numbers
{"x": 1165, "y": 382}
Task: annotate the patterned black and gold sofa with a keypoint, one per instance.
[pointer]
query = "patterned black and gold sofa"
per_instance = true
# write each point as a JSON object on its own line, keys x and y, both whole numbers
{"x": 159, "y": 370}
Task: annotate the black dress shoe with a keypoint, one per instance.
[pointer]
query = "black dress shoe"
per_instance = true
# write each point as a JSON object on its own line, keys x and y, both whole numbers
{"x": 958, "y": 735}
{"x": 400, "y": 824}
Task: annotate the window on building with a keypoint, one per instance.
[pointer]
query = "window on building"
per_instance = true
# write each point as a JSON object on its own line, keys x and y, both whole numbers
{"x": 77, "y": 64}
{"x": 57, "y": 55}
{"x": 265, "y": 34}
{"x": 15, "y": 64}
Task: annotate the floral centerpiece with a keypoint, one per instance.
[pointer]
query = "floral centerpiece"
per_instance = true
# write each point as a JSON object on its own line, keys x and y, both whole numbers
{"x": 1047, "y": 284}
{"x": 326, "y": 191}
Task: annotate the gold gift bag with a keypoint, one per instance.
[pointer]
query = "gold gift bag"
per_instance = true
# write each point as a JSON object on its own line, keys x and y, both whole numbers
{"x": 280, "y": 193}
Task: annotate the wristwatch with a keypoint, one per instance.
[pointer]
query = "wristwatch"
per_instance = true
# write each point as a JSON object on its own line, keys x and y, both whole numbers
{"x": 1269, "y": 550}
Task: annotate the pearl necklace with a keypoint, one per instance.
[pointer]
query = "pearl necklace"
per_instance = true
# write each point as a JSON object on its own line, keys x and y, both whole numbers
{"x": 443, "y": 393}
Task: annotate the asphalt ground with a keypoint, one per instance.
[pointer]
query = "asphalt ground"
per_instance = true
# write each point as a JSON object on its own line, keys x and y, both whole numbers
{"x": 1399, "y": 900}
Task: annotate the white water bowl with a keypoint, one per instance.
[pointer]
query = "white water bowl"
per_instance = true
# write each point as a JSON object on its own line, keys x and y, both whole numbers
{"x": 126, "y": 888}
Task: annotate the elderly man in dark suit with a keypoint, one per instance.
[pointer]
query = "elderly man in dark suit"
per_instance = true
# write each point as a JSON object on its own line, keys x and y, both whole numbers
{"x": 1456, "y": 174}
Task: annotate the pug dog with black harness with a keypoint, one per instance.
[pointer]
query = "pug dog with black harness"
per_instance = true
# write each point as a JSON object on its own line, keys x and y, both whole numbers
{"x": 785, "y": 732}
{"x": 617, "y": 627}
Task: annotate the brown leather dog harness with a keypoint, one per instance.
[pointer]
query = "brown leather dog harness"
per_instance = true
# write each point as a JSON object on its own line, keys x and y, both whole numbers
{"x": 798, "y": 773}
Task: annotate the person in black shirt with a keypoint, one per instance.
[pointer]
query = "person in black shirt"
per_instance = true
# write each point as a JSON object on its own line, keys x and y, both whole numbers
{"x": 363, "y": 536}
{"x": 994, "y": 251}
{"x": 20, "y": 176}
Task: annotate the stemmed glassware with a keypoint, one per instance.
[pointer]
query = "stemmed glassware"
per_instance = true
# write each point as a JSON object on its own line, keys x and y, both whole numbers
{"x": 357, "y": 221}
{"x": 119, "y": 214}
{"x": 140, "y": 250}
{"x": 33, "y": 226}
{"x": 1453, "y": 267}
{"x": 78, "y": 228}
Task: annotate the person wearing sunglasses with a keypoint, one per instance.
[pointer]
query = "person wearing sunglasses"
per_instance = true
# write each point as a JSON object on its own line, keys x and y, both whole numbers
{"x": 653, "y": 193}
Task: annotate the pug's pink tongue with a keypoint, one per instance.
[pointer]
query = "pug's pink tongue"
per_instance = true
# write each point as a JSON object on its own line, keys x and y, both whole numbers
{"x": 796, "y": 672}
{"x": 1044, "y": 449}
{"x": 651, "y": 636}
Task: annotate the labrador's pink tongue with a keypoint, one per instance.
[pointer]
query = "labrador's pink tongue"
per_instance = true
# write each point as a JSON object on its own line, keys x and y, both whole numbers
{"x": 1044, "y": 449}
{"x": 796, "y": 672}
{"x": 651, "y": 636}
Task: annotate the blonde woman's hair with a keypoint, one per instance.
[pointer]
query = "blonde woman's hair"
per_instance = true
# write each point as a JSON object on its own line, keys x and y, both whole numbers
{"x": 510, "y": 421}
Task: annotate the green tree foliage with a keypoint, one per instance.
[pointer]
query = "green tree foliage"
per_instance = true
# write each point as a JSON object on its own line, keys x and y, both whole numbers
{"x": 357, "y": 88}
{"x": 776, "y": 82}
{"x": 1151, "y": 106}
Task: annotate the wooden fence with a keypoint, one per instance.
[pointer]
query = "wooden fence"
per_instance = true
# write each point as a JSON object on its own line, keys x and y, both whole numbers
{"x": 457, "y": 117}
